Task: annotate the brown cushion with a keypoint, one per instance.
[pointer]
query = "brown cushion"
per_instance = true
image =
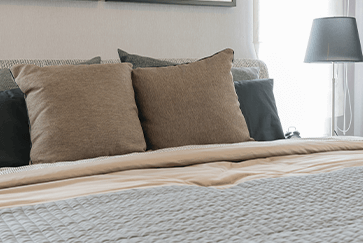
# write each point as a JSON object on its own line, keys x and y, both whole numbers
{"x": 79, "y": 112}
{"x": 189, "y": 104}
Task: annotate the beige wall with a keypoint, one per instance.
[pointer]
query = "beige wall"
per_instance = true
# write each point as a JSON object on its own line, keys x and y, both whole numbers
{"x": 67, "y": 29}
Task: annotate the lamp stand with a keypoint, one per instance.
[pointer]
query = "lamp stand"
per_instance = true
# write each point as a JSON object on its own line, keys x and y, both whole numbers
{"x": 332, "y": 132}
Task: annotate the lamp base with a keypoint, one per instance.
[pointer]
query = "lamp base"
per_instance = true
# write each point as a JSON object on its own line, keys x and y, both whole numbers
{"x": 332, "y": 132}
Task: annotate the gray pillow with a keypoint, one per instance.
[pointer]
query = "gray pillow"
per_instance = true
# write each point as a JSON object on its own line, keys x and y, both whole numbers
{"x": 258, "y": 106}
{"x": 7, "y": 82}
{"x": 95, "y": 60}
{"x": 140, "y": 61}
{"x": 239, "y": 73}
{"x": 245, "y": 73}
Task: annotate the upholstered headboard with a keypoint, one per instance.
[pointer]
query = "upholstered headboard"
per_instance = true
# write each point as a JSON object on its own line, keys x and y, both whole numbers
{"x": 263, "y": 73}
{"x": 240, "y": 62}
{"x": 237, "y": 63}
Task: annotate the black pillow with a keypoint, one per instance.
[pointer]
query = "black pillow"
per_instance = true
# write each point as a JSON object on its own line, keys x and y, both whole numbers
{"x": 14, "y": 129}
{"x": 141, "y": 61}
{"x": 257, "y": 103}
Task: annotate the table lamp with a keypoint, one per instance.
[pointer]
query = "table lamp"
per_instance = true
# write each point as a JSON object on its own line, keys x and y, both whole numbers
{"x": 334, "y": 40}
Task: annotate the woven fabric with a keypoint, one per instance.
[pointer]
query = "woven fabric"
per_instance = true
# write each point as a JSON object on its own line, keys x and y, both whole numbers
{"x": 238, "y": 62}
{"x": 9, "y": 84}
{"x": 142, "y": 61}
{"x": 79, "y": 112}
{"x": 43, "y": 63}
{"x": 6, "y": 79}
{"x": 316, "y": 208}
{"x": 193, "y": 103}
{"x": 14, "y": 129}
{"x": 258, "y": 106}
{"x": 244, "y": 73}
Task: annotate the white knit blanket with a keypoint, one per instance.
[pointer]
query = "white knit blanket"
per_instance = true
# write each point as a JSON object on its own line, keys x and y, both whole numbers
{"x": 324, "y": 207}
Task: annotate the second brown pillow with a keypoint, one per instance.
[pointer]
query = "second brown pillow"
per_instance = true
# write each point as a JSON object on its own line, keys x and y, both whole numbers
{"x": 190, "y": 104}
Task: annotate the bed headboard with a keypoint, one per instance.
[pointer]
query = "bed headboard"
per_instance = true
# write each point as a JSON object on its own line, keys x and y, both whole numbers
{"x": 239, "y": 62}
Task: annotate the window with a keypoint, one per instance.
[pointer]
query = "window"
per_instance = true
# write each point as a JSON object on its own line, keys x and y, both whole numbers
{"x": 302, "y": 90}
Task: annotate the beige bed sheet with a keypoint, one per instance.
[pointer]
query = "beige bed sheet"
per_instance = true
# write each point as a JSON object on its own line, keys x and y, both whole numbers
{"x": 218, "y": 166}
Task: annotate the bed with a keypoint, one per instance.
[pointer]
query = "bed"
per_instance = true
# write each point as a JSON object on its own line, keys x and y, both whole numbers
{"x": 278, "y": 190}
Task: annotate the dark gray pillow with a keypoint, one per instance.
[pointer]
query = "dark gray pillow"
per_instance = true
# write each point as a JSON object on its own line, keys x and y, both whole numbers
{"x": 239, "y": 73}
{"x": 95, "y": 60}
{"x": 140, "y": 61}
{"x": 14, "y": 129}
{"x": 258, "y": 106}
{"x": 245, "y": 73}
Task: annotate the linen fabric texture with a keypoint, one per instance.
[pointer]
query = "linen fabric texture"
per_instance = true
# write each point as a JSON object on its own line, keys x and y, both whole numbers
{"x": 190, "y": 104}
{"x": 15, "y": 140}
{"x": 79, "y": 112}
{"x": 258, "y": 105}
{"x": 14, "y": 129}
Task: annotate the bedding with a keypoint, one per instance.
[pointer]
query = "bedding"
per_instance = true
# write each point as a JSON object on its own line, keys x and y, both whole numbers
{"x": 142, "y": 61}
{"x": 244, "y": 73}
{"x": 80, "y": 111}
{"x": 286, "y": 190}
{"x": 14, "y": 122}
{"x": 189, "y": 104}
{"x": 245, "y": 192}
{"x": 14, "y": 129}
{"x": 239, "y": 73}
{"x": 7, "y": 81}
{"x": 258, "y": 106}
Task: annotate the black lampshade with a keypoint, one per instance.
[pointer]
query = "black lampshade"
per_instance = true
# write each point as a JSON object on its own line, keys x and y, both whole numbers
{"x": 334, "y": 39}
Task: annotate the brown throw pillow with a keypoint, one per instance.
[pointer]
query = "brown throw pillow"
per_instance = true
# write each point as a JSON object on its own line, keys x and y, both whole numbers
{"x": 79, "y": 112}
{"x": 190, "y": 104}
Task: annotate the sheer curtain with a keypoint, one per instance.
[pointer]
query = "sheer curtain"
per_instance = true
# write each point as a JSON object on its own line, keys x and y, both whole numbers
{"x": 302, "y": 91}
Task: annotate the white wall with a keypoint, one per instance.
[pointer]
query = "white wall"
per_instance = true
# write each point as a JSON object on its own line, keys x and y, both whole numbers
{"x": 67, "y": 29}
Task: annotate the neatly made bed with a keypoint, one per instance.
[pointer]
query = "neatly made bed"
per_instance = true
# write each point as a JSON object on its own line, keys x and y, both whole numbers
{"x": 281, "y": 190}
